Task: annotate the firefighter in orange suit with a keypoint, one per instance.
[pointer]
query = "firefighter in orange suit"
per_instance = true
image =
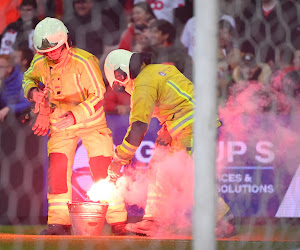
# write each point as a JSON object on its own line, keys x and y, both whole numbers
{"x": 160, "y": 91}
{"x": 71, "y": 104}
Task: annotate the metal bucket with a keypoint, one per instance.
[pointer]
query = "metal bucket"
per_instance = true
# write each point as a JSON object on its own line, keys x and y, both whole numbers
{"x": 87, "y": 218}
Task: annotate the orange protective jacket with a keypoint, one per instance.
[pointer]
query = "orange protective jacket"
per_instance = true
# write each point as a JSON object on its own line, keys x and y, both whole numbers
{"x": 160, "y": 91}
{"x": 75, "y": 84}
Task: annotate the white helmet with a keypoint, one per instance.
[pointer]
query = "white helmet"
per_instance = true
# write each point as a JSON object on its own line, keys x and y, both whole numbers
{"x": 117, "y": 59}
{"x": 49, "y": 34}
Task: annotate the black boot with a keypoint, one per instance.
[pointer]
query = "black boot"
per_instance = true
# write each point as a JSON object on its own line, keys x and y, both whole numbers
{"x": 119, "y": 229}
{"x": 146, "y": 227}
{"x": 56, "y": 229}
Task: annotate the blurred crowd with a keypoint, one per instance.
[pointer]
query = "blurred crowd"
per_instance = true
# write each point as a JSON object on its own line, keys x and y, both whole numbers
{"x": 259, "y": 48}
{"x": 258, "y": 43}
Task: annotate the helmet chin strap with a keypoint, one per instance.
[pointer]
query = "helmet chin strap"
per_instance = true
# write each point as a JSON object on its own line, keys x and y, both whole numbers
{"x": 129, "y": 86}
{"x": 67, "y": 45}
{"x": 62, "y": 56}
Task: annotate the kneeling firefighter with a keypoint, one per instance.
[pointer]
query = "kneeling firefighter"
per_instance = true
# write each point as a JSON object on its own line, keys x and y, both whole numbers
{"x": 71, "y": 104}
{"x": 160, "y": 91}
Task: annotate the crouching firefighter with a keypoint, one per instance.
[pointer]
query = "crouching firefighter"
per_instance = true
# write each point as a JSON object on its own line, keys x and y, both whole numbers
{"x": 160, "y": 91}
{"x": 71, "y": 105}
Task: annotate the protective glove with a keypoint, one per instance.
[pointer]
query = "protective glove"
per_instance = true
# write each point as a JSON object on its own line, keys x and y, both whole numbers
{"x": 41, "y": 125}
{"x": 114, "y": 171}
{"x": 163, "y": 138}
{"x": 67, "y": 121}
{"x": 38, "y": 96}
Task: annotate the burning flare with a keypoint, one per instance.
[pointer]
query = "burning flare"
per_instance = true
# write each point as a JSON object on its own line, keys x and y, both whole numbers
{"x": 102, "y": 191}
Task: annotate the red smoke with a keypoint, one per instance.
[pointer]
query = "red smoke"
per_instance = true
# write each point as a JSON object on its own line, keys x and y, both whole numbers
{"x": 257, "y": 113}
{"x": 173, "y": 174}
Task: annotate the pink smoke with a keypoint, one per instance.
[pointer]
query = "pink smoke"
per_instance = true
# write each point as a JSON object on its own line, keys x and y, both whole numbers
{"x": 175, "y": 178}
{"x": 256, "y": 113}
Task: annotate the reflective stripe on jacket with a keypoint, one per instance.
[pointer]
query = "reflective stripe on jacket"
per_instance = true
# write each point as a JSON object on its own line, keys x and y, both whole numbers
{"x": 75, "y": 84}
{"x": 160, "y": 91}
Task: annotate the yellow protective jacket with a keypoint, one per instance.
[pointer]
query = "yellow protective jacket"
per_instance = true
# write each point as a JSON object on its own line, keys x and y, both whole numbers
{"x": 75, "y": 84}
{"x": 160, "y": 91}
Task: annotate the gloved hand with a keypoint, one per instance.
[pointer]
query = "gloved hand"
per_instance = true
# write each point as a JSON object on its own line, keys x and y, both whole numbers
{"x": 163, "y": 138}
{"x": 114, "y": 171}
{"x": 41, "y": 125}
{"x": 38, "y": 96}
{"x": 67, "y": 121}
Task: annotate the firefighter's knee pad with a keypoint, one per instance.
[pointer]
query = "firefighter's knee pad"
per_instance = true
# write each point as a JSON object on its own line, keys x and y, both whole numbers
{"x": 99, "y": 166}
{"x": 57, "y": 173}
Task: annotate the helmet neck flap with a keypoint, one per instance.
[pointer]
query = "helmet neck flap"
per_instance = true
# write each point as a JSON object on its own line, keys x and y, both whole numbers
{"x": 130, "y": 63}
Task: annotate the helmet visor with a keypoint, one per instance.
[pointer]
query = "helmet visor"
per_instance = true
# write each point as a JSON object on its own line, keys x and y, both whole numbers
{"x": 120, "y": 76}
{"x": 46, "y": 44}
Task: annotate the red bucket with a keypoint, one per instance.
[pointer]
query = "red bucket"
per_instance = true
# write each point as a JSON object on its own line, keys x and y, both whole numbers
{"x": 87, "y": 218}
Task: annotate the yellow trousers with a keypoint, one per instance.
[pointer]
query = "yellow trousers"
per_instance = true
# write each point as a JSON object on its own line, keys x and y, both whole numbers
{"x": 61, "y": 149}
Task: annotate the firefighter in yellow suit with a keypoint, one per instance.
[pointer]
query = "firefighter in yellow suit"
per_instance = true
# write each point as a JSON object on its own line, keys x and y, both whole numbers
{"x": 71, "y": 104}
{"x": 160, "y": 91}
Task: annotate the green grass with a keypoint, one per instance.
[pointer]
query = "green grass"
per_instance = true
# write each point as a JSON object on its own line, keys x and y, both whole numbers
{"x": 86, "y": 243}
{"x": 278, "y": 235}
{"x": 27, "y": 230}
